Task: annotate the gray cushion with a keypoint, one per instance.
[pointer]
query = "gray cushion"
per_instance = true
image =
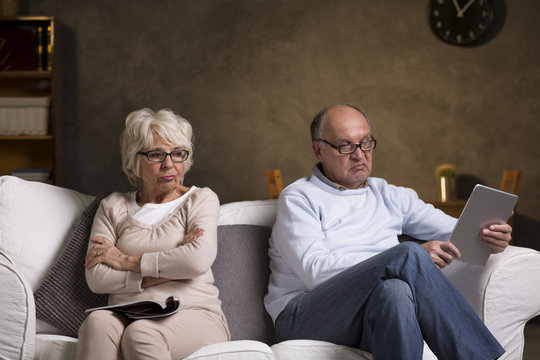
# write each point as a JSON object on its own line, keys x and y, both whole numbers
{"x": 64, "y": 295}
{"x": 241, "y": 271}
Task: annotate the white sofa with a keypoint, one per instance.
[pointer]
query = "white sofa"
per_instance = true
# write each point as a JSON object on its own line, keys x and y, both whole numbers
{"x": 38, "y": 223}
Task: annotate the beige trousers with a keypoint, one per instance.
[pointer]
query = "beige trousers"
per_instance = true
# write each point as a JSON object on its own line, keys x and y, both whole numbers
{"x": 105, "y": 335}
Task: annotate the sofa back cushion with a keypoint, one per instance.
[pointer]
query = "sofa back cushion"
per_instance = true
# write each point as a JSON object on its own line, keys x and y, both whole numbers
{"x": 254, "y": 212}
{"x": 36, "y": 219}
{"x": 241, "y": 271}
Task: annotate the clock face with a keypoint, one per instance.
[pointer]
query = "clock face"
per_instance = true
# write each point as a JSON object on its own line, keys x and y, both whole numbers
{"x": 460, "y": 22}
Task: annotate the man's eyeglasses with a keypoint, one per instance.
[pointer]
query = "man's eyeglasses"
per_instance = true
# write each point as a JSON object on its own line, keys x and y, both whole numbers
{"x": 177, "y": 156}
{"x": 365, "y": 145}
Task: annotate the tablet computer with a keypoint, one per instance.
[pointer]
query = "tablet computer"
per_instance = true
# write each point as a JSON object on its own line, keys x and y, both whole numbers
{"x": 486, "y": 206}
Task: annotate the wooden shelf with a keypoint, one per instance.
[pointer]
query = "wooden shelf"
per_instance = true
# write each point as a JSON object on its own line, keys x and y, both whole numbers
{"x": 25, "y": 74}
{"x": 32, "y": 151}
{"x": 25, "y": 137}
{"x": 27, "y": 18}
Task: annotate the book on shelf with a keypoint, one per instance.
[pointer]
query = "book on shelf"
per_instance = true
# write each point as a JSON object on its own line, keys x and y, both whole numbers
{"x": 26, "y": 47}
{"x": 41, "y": 175}
{"x": 40, "y": 47}
{"x": 144, "y": 309}
{"x": 18, "y": 48}
{"x": 48, "y": 64}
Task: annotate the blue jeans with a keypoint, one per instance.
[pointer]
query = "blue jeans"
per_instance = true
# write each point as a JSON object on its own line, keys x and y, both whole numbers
{"x": 388, "y": 305}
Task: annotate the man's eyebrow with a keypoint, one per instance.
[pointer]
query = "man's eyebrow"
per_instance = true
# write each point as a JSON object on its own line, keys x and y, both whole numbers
{"x": 345, "y": 139}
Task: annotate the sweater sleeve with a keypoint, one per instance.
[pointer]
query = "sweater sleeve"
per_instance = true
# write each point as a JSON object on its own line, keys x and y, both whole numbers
{"x": 423, "y": 221}
{"x": 299, "y": 239}
{"x": 103, "y": 279}
{"x": 195, "y": 258}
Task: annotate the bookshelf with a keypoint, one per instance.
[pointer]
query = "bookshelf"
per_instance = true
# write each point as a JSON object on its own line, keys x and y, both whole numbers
{"x": 28, "y": 73}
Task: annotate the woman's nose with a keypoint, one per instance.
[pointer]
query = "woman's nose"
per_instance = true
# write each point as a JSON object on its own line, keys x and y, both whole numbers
{"x": 167, "y": 163}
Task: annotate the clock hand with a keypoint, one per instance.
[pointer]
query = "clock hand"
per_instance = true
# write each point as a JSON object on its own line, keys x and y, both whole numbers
{"x": 466, "y": 7}
{"x": 456, "y": 5}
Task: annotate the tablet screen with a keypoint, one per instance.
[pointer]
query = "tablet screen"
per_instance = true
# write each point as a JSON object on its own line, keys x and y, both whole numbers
{"x": 486, "y": 206}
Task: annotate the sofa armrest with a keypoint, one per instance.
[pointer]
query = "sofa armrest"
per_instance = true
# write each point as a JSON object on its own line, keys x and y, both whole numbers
{"x": 17, "y": 313}
{"x": 504, "y": 293}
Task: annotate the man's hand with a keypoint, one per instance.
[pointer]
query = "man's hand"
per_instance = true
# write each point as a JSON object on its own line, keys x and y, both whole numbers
{"x": 104, "y": 252}
{"x": 442, "y": 252}
{"x": 497, "y": 237}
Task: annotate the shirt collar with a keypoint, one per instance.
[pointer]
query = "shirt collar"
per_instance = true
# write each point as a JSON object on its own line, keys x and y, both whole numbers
{"x": 317, "y": 172}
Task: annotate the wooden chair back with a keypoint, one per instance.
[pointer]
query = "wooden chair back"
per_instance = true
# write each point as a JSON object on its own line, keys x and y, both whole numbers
{"x": 275, "y": 184}
{"x": 510, "y": 181}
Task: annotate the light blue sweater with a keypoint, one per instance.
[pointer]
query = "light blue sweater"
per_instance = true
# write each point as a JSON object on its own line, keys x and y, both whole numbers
{"x": 322, "y": 229}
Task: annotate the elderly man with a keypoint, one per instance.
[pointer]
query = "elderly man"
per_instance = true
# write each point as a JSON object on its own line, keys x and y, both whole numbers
{"x": 339, "y": 273}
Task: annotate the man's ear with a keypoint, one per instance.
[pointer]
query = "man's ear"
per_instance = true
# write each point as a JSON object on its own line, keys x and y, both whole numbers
{"x": 316, "y": 145}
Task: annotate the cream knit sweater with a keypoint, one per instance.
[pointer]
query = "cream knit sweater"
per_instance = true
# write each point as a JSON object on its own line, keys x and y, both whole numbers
{"x": 164, "y": 253}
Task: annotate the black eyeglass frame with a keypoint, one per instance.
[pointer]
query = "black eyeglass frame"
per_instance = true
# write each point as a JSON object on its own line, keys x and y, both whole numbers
{"x": 145, "y": 153}
{"x": 339, "y": 147}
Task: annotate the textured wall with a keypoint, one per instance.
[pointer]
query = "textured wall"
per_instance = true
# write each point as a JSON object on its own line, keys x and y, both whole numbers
{"x": 250, "y": 75}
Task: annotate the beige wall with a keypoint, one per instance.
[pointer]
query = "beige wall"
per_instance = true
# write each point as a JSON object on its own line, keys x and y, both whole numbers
{"x": 250, "y": 75}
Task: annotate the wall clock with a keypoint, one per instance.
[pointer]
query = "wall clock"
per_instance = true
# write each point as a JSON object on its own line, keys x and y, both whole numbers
{"x": 466, "y": 22}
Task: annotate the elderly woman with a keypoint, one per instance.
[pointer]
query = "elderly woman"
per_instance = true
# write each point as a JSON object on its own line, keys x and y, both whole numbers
{"x": 158, "y": 241}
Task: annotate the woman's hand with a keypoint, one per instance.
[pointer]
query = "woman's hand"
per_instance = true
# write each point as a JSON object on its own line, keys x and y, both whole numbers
{"x": 151, "y": 281}
{"x": 194, "y": 235}
{"x": 104, "y": 252}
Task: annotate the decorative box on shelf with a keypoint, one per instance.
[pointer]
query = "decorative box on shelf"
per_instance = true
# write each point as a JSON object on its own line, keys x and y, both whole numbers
{"x": 24, "y": 115}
